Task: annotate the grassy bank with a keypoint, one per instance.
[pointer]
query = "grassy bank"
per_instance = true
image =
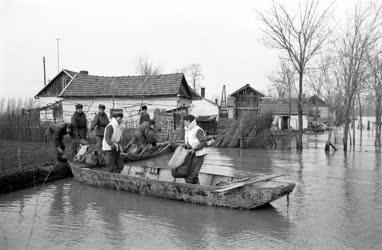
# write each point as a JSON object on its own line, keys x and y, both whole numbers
{"x": 27, "y": 164}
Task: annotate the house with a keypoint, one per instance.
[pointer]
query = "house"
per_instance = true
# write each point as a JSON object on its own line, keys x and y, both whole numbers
{"x": 125, "y": 93}
{"x": 245, "y": 100}
{"x": 285, "y": 111}
{"x": 47, "y": 101}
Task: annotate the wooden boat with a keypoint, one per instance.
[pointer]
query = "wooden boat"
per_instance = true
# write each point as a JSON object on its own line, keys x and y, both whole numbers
{"x": 242, "y": 190}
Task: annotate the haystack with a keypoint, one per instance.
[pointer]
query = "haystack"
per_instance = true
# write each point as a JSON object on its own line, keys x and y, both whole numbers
{"x": 254, "y": 128}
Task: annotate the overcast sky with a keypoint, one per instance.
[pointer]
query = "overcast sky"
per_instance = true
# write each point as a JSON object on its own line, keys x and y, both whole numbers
{"x": 108, "y": 37}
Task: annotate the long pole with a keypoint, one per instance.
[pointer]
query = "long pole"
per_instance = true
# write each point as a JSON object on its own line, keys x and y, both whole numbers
{"x": 58, "y": 55}
{"x": 43, "y": 62}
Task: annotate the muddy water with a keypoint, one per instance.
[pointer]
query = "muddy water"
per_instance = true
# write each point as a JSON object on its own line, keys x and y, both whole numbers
{"x": 336, "y": 204}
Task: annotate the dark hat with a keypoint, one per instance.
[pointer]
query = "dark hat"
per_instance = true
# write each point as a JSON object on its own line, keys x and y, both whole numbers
{"x": 151, "y": 122}
{"x": 79, "y": 106}
{"x": 117, "y": 114}
{"x": 101, "y": 106}
{"x": 144, "y": 107}
{"x": 189, "y": 118}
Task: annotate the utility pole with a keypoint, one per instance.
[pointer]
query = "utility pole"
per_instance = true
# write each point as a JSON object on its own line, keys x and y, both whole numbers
{"x": 43, "y": 62}
{"x": 223, "y": 100}
{"x": 58, "y": 55}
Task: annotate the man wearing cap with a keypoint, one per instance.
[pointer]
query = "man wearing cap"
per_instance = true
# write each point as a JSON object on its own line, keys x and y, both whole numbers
{"x": 111, "y": 144}
{"x": 195, "y": 142}
{"x": 100, "y": 121}
{"x": 56, "y": 133}
{"x": 80, "y": 128}
{"x": 145, "y": 117}
{"x": 145, "y": 135}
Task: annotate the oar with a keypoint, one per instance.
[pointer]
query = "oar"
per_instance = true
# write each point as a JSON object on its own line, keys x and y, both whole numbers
{"x": 143, "y": 150}
{"x": 245, "y": 183}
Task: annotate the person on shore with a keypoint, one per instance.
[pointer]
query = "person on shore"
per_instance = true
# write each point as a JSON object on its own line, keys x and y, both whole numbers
{"x": 56, "y": 132}
{"x": 111, "y": 144}
{"x": 195, "y": 140}
{"x": 99, "y": 123}
{"x": 80, "y": 128}
{"x": 145, "y": 135}
{"x": 145, "y": 117}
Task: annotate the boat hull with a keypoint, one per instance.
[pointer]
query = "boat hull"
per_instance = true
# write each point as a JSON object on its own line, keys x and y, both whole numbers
{"x": 246, "y": 197}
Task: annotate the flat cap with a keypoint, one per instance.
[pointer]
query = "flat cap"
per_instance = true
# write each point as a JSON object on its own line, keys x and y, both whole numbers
{"x": 79, "y": 106}
{"x": 101, "y": 106}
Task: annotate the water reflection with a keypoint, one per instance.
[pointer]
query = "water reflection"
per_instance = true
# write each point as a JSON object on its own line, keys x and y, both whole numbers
{"x": 337, "y": 203}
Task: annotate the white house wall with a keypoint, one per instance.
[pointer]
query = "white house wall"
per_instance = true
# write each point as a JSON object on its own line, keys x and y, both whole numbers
{"x": 44, "y": 101}
{"x": 293, "y": 121}
{"x": 130, "y": 106}
{"x": 203, "y": 108}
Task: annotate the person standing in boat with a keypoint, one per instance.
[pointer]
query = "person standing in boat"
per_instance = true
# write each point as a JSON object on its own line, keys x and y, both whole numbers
{"x": 100, "y": 121}
{"x": 145, "y": 135}
{"x": 145, "y": 117}
{"x": 195, "y": 140}
{"x": 80, "y": 128}
{"x": 111, "y": 143}
{"x": 56, "y": 133}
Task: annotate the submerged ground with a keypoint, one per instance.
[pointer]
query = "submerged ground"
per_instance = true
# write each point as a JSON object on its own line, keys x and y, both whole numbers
{"x": 337, "y": 203}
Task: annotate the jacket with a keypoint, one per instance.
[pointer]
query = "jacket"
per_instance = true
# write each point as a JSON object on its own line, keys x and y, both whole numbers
{"x": 79, "y": 123}
{"x": 112, "y": 136}
{"x": 195, "y": 138}
{"x": 58, "y": 131}
{"x": 100, "y": 121}
{"x": 145, "y": 117}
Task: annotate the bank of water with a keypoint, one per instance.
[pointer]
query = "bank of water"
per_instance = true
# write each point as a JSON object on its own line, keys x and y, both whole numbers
{"x": 337, "y": 203}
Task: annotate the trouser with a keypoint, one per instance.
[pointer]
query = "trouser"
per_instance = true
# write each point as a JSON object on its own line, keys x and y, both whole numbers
{"x": 59, "y": 155}
{"x": 190, "y": 169}
{"x": 114, "y": 162}
{"x": 75, "y": 144}
{"x": 98, "y": 146}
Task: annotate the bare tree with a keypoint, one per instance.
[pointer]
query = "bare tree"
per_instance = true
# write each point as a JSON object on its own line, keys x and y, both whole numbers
{"x": 285, "y": 85}
{"x": 360, "y": 36}
{"x": 146, "y": 68}
{"x": 375, "y": 84}
{"x": 299, "y": 34}
{"x": 194, "y": 75}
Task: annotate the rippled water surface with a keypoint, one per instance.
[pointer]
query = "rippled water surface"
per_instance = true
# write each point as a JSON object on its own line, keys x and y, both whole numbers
{"x": 337, "y": 203}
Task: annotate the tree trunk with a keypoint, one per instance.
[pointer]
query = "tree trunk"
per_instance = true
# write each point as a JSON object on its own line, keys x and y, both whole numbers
{"x": 353, "y": 122}
{"x": 299, "y": 108}
{"x": 346, "y": 128}
{"x": 378, "y": 122}
{"x": 360, "y": 119}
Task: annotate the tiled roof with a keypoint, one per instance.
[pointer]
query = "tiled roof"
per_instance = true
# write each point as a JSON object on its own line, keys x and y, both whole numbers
{"x": 128, "y": 86}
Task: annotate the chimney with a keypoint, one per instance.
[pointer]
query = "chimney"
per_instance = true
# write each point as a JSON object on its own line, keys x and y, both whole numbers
{"x": 216, "y": 101}
{"x": 85, "y": 72}
{"x": 203, "y": 92}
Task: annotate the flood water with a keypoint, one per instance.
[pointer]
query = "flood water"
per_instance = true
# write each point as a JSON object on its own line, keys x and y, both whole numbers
{"x": 337, "y": 204}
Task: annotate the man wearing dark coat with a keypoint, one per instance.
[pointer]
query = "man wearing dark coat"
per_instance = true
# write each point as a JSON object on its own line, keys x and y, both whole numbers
{"x": 100, "y": 121}
{"x": 57, "y": 131}
{"x": 145, "y": 135}
{"x": 145, "y": 117}
{"x": 80, "y": 128}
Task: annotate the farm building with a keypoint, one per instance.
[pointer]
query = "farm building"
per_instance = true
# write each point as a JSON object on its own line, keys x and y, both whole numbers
{"x": 245, "y": 100}
{"x": 47, "y": 101}
{"x": 313, "y": 109}
{"x": 127, "y": 93}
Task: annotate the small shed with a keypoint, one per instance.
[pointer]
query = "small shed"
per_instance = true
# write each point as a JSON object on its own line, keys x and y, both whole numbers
{"x": 246, "y": 100}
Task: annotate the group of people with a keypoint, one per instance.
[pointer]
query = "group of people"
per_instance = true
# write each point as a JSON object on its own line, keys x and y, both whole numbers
{"x": 108, "y": 135}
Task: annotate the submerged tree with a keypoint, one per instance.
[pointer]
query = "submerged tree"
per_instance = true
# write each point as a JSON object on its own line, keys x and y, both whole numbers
{"x": 375, "y": 84}
{"x": 361, "y": 35}
{"x": 299, "y": 34}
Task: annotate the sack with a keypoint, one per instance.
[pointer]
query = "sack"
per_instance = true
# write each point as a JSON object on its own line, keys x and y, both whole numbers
{"x": 81, "y": 155}
{"x": 178, "y": 157}
{"x": 92, "y": 159}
